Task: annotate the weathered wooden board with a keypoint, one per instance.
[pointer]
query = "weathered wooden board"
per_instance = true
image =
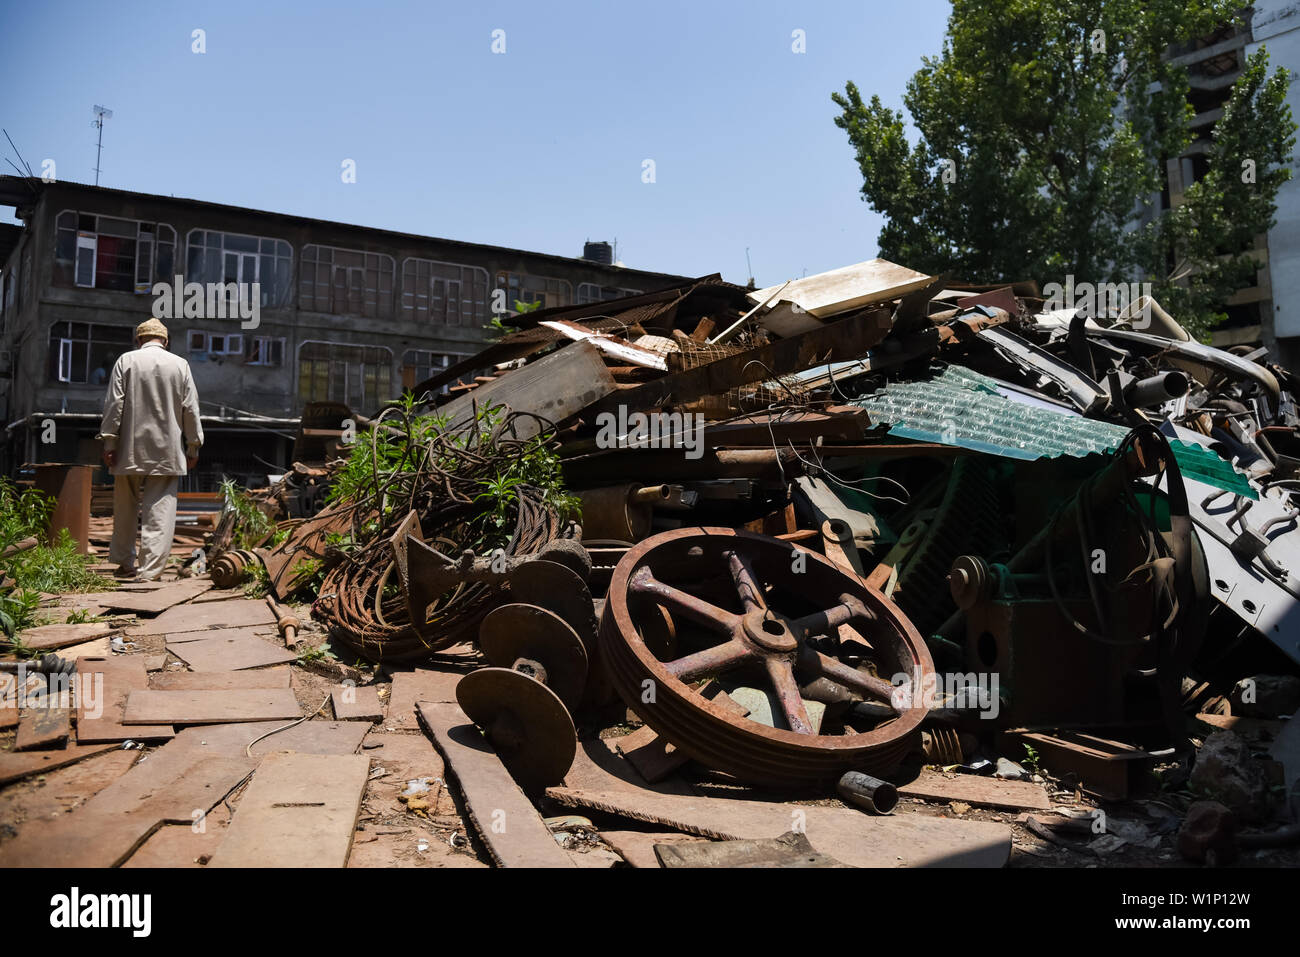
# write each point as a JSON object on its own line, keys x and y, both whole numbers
{"x": 230, "y": 654}
{"x": 43, "y": 729}
{"x": 210, "y": 707}
{"x": 410, "y": 687}
{"x": 236, "y": 613}
{"x": 980, "y": 791}
{"x": 299, "y": 811}
{"x": 183, "y": 845}
{"x": 204, "y": 634}
{"x": 899, "y": 840}
{"x": 103, "y": 685}
{"x": 356, "y": 704}
{"x": 51, "y": 637}
{"x": 789, "y": 850}
{"x": 220, "y": 680}
{"x": 158, "y": 600}
{"x": 506, "y": 820}
{"x": 181, "y": 781}
{"x": 17, "y": 765}
{"x": 638, "y": 847}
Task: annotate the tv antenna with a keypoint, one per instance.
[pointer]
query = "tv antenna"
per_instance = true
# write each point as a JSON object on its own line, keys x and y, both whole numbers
{"x": 750, "y": 267}
{"x": 102, "y": 113}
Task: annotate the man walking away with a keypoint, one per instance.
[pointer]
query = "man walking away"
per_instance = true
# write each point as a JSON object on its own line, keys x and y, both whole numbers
{"x": 151, "y": 436}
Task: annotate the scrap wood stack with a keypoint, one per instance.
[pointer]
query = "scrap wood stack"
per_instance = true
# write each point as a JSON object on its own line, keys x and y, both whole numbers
{"x": 843, "y": 524}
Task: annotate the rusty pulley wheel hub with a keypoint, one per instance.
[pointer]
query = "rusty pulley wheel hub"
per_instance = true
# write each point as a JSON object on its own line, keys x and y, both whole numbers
{"x": 754, "y": 610}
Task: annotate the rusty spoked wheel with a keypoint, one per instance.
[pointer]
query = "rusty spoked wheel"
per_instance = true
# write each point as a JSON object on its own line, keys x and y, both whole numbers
{"x": 767, "y": 613}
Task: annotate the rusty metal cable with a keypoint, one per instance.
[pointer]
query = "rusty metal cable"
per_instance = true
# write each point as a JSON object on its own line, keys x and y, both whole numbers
{"x": 441, "y": 474}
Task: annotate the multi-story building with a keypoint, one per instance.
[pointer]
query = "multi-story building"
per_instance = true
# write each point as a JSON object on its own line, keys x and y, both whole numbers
{"x": 1267, "y": 312}
{"x": 342, "y": 313}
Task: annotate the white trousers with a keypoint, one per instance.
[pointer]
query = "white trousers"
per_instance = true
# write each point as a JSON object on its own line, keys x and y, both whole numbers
{"x": 154, "y": 497}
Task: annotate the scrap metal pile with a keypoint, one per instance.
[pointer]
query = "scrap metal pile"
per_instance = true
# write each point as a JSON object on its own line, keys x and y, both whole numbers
{"x": 831, "y": 524}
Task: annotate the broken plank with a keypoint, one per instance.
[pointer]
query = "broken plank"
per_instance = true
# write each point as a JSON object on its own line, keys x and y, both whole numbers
{"x": 42, "y": 729}
{"x": 900, "y": 840}
{"x": 980, "y": 791}
{"x": 652, "y": 756}
{"x": 210, "y": 707}
{"x": 230, "y": 654}
{"x": 408, "y": 687}
{"x": 506, "y": 820}
{"x": 51, "y": 637}
{"x": 15, "y": 766}
{"x": 791, "y": 849}
{"x": 241, "y": 612}
{"x": 159, "y": 600}
{"x": 220, "y": 680}
{"x": 356, "y": 704}
{"x": 638, "y": 847}
{"x": 203, "y": 634}
{"x": 103, "y": 685}
{"x": 299, "y": 811}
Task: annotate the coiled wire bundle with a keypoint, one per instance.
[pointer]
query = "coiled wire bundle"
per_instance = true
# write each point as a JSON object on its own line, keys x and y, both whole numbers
{"x": 453, "y": 479}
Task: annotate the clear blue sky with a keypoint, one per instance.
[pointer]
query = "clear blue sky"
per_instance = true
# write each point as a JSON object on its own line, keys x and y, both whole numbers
{"x": 539, "y": 148}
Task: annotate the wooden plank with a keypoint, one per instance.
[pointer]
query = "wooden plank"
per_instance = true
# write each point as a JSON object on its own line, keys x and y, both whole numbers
{"x": 299, "y": 811}
{"x": 210, "y": 707}
{"x": 51, "y": 637}
{"x": 356, "y": 704}
{"x": 15, "y": 766}
{"x": 159, "y": 600}
{"x": 972, "y": 789}
{"x": 220, "y": 680}
{"x": 409, "y": 687}
{"x": 638, "y": 847}
{"x": 241, "y": 612}
{"x": 506, "y": 820}
{"x": 900, "y": 840}
{"x": 203, "y": 634}
{"x": 189, "y": 774}
{"x": 789, "y": 850}
{"x": 41, "y": 729}
{"x": 103, "y": 685}
{"x": 652, "y": 756}
{"x": 554, "y": 387}
{"x": 112, "y": 824}
{"x": 230, "y": 654}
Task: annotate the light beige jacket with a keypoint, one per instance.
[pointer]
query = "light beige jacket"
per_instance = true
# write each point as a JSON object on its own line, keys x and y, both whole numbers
{"x": 151, "y": 413}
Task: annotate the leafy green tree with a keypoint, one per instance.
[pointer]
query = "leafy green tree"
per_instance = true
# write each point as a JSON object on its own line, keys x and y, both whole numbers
{"x": 1042, "y": 131}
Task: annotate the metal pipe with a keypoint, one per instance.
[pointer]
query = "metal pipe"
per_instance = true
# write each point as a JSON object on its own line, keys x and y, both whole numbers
{"x": 1157, "y": 389}
{"x": 872, "y": 794}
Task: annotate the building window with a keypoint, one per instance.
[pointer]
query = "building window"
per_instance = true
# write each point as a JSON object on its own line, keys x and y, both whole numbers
{"x": 85, "y": 352}
{"x": 521, "y": 287}
{"x": 264, "y": 351}
{"x": 347, "y": 282}
{"x": 217, "y": 343}
{"x": 446, "y": 294}
{"x": 361, "y": 377}
{"x": 589, "y": 292}
{"x": 418, "y": 365}
{"x": 213, "y": 257}
{"x": 125, "y": 255}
